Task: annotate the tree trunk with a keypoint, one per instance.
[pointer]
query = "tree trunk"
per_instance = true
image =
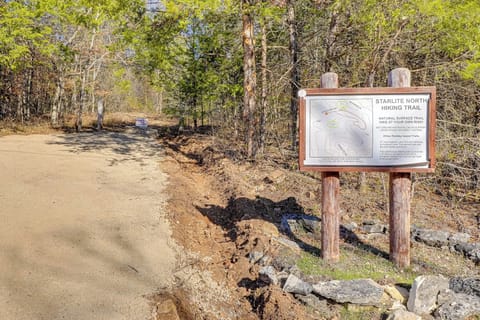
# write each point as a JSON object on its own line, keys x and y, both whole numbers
{"x": 57, "y": 102}
{"x": 83, "y": 101}
{"x": 250, "y": 77}
{"x": 330, "y": 40}
{"x": 263, "y": 115}
{"x": 294, "y": 73}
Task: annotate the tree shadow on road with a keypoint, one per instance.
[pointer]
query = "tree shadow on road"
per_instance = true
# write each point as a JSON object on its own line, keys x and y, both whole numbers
{"x": 119, "y": 146}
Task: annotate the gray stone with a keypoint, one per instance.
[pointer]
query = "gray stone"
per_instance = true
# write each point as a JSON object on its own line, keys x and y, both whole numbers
{"x": 282, "y": 278}
{"x": 300, "y": 223}
{"x": 292, "y": 245}
{"x": 289, "y": 224}
{"x": 311, "y": 224}
{"x": 464, "y": 247}
{"x": 456, "y": 238}
{"x": 397, "y": 293}
{"x": 470, "y": 286}
{"x": 315, "y": 302}
{"x": 351, "y": 226}
{"x": 361, "y": 291}
{"x": 434, "y": 238}
{"x": 255, "y": 256}
{"x": 460, "y": 307}
{"x": 424, "y": 292}
{"x": 400, "y": 314}
{"x": 469, "y": 250}
{"x": 373, "y": 227}
{"x": 397, "y": 305}
{"x": 295, "y": 285}
{"x": 445, "y": 296}
{"x": 285, "y": 260}
{"x": 268, "y": 274}
{"x": 265, "y": 260}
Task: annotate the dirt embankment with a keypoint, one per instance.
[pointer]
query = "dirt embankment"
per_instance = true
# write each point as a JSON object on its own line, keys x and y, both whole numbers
{"x": 223, "y": 211}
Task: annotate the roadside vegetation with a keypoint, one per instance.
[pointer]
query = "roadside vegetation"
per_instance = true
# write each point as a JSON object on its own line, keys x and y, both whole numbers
{"x": 237, "y": 66}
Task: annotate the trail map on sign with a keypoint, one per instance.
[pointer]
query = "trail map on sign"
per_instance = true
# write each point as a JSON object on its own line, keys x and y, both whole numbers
{"x": 341, "y": 128}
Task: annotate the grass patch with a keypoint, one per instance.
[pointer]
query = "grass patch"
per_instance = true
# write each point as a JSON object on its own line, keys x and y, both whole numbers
{"x": 355, "y": 264}
{"x": 347, "y": 313}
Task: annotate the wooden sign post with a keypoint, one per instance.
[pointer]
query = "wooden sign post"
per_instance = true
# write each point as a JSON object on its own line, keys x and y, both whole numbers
{"x": 399, "y": 194}
{"x": 370, "y": 130}
{"x": 330, "y": 198}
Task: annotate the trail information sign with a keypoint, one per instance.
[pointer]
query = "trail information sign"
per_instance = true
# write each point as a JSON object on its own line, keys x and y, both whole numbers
{"x": 368, "y": 129}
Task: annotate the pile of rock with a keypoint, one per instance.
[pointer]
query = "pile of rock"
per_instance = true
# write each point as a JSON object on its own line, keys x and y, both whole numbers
{"x": 456, "y": 242}
{"x": 300, "y": 224}
{"x": 429, "y": 296}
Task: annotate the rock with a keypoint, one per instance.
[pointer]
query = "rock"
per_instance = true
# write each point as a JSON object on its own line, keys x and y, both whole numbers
{"x": 397, "y": 293}
{"x": 460, "y": 307}
{"x": 289, "y": 224}
{"x": 292, "y": 245}
{"x": 300, "y": 223}
{"x": 297, "y": 286}
{"x": 373, "y": 227}
{"x": 311, "y": 224}
{"x": 456, "y": 238}
{"x": 470, "y": 286}
{"x": 445, "y": 296}
{"x": 397, "y": 305}
{"x": 268, "y": 274}
{"x": 351, "y": 226}
{"x": 255, "y": 256}
{"x": 469, "y": 250}
{"x": 401, "y": 314}
{"x": 361, "y": 291}
{"x": 316, "y": 303}
{"x": 285, "y": 260}
{"x": 423, "y": 295}
{"x": 259, "y": 257}
{"x": 434, "y": 238}
{"x": 282, "y": 278}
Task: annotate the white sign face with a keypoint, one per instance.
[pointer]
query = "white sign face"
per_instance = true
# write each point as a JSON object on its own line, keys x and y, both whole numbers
{"x": 367, "y": 130}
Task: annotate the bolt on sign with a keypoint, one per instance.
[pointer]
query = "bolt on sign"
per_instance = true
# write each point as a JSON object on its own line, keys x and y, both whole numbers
{"x": 368, "y": 129}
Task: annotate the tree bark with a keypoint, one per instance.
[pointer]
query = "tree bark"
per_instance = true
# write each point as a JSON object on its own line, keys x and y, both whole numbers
{"x": 250, "y": 77}
{"x": 263, "y": 115}
{"x": 57, "y": 102}
{"x": 294, "y": 73}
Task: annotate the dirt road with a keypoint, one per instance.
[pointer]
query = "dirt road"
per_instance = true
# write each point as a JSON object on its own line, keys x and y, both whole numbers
{"x": 82, "y": 233}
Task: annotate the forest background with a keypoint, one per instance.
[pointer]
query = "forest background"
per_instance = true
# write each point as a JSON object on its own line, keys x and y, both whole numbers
{"x": 236, "y": 66}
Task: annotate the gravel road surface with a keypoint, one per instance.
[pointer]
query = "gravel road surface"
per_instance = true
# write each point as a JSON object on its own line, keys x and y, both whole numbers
{"x": 82, "y": 232}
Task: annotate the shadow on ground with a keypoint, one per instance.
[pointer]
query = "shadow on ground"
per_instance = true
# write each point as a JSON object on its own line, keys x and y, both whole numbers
{"x": 242, "y": 208}
{"x": 135, "y": 145}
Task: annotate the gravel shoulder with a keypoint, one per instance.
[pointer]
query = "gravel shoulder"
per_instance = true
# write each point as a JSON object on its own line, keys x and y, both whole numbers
{"x": 82, "y": 234}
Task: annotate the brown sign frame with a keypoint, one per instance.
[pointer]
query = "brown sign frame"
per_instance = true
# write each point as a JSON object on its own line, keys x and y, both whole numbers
{"x": 431, "y": 123}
